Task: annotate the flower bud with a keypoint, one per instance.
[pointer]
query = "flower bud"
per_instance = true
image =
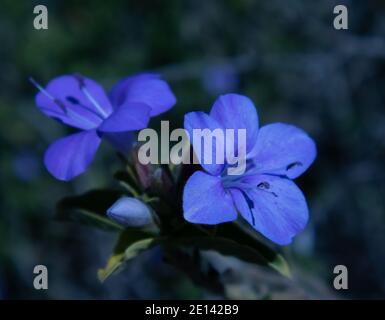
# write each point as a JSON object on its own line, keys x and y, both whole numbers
{"x": 130, "y": 212}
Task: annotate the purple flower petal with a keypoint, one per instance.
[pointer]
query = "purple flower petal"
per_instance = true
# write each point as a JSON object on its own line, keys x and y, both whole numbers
{"x": 205, "y": 201}
{"x": 144, "y": 88}
{"x": 76, "y": 101}
{"x": 70, "y": 156}
{"x": 283, "y": 149}
{"x": 127, "y": 117}
{"x": 200, "y": 120}
{"x": 234, "y": 111}
{"x": 275, "y": 207}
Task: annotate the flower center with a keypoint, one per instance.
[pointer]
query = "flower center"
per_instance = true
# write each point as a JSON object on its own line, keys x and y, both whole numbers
{"x": 245, "y": 182}
{"x": 98, "y": 112}
{"x": 93, "y": 101}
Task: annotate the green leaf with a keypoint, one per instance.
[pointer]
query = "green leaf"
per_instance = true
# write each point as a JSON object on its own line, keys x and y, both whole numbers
{"x": 89, "y": 208}
{"x": 201, "y": 271}
{"x": 246, "y": 253}
{"x": 131, "y": 243}
{"x": 233, "y": 240}
{"x": 124, "y": 176}
{"x": 246, "y": 237}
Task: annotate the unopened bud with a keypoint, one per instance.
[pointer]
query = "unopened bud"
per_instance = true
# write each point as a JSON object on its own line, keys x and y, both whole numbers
{"x": 130, "y": 212}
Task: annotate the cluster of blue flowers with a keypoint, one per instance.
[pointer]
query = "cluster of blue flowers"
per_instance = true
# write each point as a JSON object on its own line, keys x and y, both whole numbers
{"x": 264, "y": 195}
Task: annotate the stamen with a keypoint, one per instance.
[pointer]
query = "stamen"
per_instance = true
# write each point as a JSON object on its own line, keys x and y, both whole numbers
{"x": 89, "y": 96}
{"x": 82, "y": 120}
{"x": 71, "y": 114}
{"x": 47, "y": 94}
{"x": 40, "y": 88}
{"x": 75, "y": 101}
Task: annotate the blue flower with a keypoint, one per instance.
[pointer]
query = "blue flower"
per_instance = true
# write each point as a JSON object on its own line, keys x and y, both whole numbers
{"x": 264, "y": 195}
{"x": 83, "y": 104}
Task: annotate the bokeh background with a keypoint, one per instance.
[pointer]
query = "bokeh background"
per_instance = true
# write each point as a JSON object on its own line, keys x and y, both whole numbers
{"x": 285, "y": 55}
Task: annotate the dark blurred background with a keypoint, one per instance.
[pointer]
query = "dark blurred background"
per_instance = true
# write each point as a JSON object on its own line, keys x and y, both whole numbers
{"x": 285, "y": 55}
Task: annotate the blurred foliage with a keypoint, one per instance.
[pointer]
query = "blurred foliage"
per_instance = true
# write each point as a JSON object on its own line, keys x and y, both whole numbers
{"x": 286, "y": 56}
